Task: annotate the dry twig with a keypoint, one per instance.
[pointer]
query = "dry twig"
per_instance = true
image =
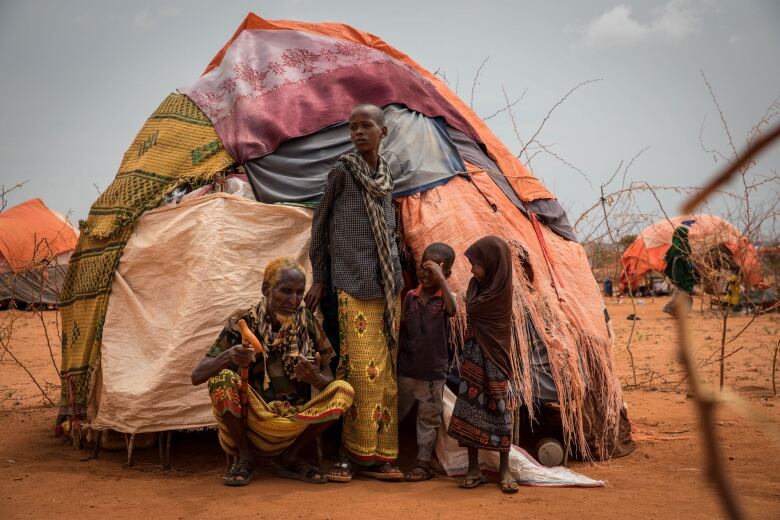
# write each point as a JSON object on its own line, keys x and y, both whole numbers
{"x": 508, "y": 105}
{"x": 774, "y": 364}
{"x": 556, "y": 105}
{"x": 705, "y": 404}
{"x": 476, "y": 79}
{"x": 754, "y": 149}
{"x": 5, "y": 191}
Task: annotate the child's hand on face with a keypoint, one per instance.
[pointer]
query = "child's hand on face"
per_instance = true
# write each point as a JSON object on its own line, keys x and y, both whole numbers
{"x": 435, "y": 270}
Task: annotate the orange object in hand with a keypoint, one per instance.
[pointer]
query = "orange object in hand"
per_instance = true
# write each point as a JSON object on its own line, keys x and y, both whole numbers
{"x": 249, "y": 337}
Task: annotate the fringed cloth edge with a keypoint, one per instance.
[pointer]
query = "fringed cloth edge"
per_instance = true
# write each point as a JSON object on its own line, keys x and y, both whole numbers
{"x": 177, "y": 146}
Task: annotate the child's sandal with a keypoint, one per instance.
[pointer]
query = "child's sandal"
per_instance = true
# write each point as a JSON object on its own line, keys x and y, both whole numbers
{"x": 472, "y": 481}
{"x": 418, "y": 474}
{"x": 509, "y": 487}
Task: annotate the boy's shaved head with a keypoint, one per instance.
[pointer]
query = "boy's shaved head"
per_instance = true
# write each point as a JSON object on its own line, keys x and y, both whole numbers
{"x": 443, "y": 251}
{"x": 377, "y": 114}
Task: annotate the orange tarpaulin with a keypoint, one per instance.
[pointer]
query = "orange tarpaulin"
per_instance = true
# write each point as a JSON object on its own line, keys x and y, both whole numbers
{"x": 524, "y": 183}
{"x": 458, "y": 214}
{"x": 31, "y": 232}
{"x": 462, "y": 211}
{"x": 647, "y": 252}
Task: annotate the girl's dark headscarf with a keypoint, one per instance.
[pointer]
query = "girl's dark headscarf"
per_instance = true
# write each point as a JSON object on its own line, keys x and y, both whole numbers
{"x": 489, "y": 303}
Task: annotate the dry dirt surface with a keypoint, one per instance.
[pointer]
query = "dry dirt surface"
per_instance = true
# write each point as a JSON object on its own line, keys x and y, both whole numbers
{"x": 42, "y": 477}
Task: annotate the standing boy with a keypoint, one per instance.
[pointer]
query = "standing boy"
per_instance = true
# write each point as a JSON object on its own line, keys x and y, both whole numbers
{"x": 423, "y": 356}
{"x": 354, "y": 228}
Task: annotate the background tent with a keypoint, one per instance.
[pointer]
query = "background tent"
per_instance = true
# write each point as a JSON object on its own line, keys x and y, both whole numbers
{"x": 713, "y": 242}
{"x": 148, "y": 289}
{"x": 35, "y": 246}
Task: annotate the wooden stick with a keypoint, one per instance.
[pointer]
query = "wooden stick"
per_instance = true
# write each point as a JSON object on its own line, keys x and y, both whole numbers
{"x": 130, "y": 442}
{"x": 774, "y": 364}
{"x": 243, "y": 393}
{"x": 247, "y": 338}
{"x": 705, "y": 403}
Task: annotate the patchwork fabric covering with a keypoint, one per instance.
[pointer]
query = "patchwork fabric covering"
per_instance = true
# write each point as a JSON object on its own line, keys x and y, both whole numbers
{"x": 422, "y": 152}
{"x": 443, "y": 102}
{"x": 274, "y": 85}
{"x": 149, "y": 289}
{"x": 706, "y": 234}
{"x": 177, "y": 145}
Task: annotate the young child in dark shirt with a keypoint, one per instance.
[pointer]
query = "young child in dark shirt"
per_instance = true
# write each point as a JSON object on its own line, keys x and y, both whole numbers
{"x": 423, "y": 355}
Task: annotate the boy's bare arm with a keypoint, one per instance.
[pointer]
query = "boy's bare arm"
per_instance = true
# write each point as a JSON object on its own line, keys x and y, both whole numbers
{"x": 318, "y": 249}
{"x": 447, "y": 297}
{"x": 441, "y": 279}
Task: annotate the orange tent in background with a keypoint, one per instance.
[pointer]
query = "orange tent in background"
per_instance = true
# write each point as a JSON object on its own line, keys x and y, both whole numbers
{"x": 35, "y": 246}
{"x": 707, "y": 232}
{"x": 31, "y": 232}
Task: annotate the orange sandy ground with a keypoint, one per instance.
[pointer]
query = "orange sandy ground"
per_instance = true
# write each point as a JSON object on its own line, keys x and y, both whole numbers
{"x": 40, "y": 477}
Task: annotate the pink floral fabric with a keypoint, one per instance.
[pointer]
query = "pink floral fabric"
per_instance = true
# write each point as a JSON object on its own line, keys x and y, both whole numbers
{"x": 275, "y": 85}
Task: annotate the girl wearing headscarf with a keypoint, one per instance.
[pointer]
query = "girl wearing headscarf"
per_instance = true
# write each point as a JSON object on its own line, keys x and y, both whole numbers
{"x": 481, "y": 418}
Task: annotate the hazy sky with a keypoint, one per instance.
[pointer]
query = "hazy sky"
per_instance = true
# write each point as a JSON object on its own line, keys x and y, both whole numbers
{"x": 78, "y": 79}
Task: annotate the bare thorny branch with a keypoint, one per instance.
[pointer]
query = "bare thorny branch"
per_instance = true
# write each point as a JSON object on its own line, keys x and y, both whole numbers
{"x": 706, "y": 401}
{"x": 534, "y": 143}
{"x": 552, "y": 109}
{"x": 42, "y": 258}
{"x": 4, "y": 192}
{"x": 508, "y": 105}
{"x": 618, "y": 253}
{"x": 476, "y": 80}
{"x": 6, "y": 333}
{"x": 720, "y": 112}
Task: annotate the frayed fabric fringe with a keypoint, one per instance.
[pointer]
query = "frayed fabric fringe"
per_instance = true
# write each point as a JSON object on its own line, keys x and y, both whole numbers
{"x": 589, "y": 393}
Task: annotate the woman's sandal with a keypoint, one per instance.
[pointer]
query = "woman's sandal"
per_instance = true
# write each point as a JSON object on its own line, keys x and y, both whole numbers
{"x": 341, "y": 472}
{"x": 418, "y": 474}
{"x": 299, "y": 469}
{"x": 472, "y": 481}
{"x": 509, "y": 487}
{"x": 384, "y": 471}
{"x": 239, "y": 474}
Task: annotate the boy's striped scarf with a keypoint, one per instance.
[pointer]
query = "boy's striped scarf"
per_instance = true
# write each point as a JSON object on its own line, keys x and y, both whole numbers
{"x": 375, "y": 188}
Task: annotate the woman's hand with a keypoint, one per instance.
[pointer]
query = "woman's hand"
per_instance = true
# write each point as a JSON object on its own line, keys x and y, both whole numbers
{"x": 241, "y": 355}
{"x": 307, "y": 371}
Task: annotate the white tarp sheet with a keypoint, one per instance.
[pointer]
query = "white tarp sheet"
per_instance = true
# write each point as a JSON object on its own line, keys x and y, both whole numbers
{"x": 183, "y": 271}
{"x": 527, "y": 471}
